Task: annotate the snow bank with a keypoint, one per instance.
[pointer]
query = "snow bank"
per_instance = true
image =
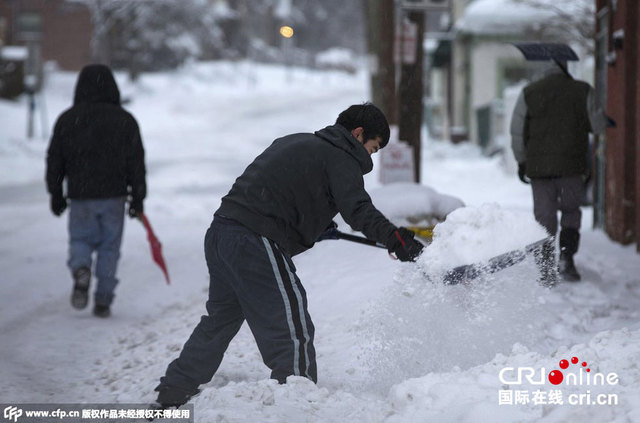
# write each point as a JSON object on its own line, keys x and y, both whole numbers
{"x": 473, "y": 395}
{"x": 408, "y": 203}
{"x": 475, "y": 234}
{"x": 420, "y": 325}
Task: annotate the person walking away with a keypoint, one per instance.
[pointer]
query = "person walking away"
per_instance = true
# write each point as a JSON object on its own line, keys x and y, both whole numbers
{"x": 550, "y": 137}
{"x": 96, "y": 147}
{"x": 275, "y": 210}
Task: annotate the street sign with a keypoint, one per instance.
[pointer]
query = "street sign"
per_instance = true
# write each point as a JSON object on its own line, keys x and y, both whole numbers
{"x": 406, "y": 43}
{"x": 425, "y": 4}
{"x": 396, "y": 163}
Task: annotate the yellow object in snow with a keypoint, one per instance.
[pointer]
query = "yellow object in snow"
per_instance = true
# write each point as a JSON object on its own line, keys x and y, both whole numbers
{"x": 425, "y": 232}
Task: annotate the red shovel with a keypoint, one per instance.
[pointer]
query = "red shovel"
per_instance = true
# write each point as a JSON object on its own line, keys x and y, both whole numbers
{"x": 156, "y": 247}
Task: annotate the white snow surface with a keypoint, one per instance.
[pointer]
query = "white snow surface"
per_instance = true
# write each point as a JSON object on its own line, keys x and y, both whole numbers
{"x": 394, "y": 344}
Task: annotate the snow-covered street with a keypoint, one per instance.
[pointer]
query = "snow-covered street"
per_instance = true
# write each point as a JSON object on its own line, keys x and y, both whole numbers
{"x": 393, "y": 344}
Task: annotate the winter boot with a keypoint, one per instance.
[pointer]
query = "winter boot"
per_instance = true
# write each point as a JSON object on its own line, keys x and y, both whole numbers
{"x": 173, "y": 396}
{"x": 82, "y": 280}
{"x": 569, "y": 240}
{"x": 546, "y": 261}
{"x": 567, "y": 269}
{"x": 101, "y": 310}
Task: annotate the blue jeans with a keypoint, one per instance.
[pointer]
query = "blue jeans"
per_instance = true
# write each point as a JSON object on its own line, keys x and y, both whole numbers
{"x": 96, "y": 225}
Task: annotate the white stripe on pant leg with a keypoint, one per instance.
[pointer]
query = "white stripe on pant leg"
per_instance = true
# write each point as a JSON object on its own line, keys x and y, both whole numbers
{"x": 305, "y": 332}
{"x": 287, "y": 306}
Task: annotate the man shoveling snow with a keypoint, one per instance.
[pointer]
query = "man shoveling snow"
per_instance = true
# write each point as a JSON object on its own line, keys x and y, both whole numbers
{"x": 276, "y": 209}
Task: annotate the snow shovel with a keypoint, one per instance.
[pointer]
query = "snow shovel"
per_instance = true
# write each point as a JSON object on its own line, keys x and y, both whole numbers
{"x": 156, "y": 247}
{"x": 466, "y": 272}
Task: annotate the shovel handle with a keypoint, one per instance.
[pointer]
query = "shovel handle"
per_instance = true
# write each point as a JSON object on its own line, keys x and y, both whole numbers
{"x": 359, "y": 239}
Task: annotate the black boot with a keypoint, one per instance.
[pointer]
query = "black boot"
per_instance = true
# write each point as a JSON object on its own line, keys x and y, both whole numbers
{"x": 81, "y": 282}
{"x": 569, "y": 241}
{"x": 546, "y": 261}
{"x": 567, "y": 269}
{"x": 100, "y": 310}
{"x": 173, "y": 396}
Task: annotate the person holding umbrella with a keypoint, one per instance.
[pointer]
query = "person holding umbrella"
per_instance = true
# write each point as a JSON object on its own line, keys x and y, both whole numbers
{"x": 550, "y": 129}
{"x": 96, "y": 146}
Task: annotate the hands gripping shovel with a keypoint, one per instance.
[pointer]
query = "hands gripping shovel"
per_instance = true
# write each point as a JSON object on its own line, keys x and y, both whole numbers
{"x": 460, "y": 274}
{"x": 156, "y": 247}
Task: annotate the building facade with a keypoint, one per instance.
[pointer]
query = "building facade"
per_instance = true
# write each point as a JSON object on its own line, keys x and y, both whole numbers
{"x": 618, "y": 84}
{"x": 56, "y": 30}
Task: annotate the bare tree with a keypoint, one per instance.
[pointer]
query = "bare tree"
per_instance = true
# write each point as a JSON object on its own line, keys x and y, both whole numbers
{"x": 153, "y": 34}
{"x": 573, "y": 21}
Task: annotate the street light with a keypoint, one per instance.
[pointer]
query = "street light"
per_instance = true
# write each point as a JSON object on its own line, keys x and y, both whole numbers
{"x": 286, "y": 31}
{"x": 287, "y": 34}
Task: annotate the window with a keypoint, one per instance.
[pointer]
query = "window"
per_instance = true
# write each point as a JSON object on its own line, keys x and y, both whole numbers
{"x": 29, "y": 25}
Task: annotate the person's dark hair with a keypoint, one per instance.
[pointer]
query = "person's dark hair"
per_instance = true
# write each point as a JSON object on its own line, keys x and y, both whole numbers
{"x": 370, "y": 118}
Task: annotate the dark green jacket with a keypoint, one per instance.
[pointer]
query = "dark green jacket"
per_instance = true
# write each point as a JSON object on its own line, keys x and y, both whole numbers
{"x": 292, "y": 191}
{"x": 551, "y": 124}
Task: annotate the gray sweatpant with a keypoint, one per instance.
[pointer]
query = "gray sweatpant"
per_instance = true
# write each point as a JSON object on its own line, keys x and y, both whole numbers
{"x": 252, "y": 279}
{"x": 551, "y": 195}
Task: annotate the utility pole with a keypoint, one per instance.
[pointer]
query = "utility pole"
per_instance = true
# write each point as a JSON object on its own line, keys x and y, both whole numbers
{"x": 412, "y": 70}
{"x": 380, "y": 37}
{"x": 411, "y": 84}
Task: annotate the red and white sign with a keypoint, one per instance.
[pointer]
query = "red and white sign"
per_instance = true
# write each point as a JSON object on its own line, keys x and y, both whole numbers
{"x": 396, "y": 163}
{"x": 405, "y": 48}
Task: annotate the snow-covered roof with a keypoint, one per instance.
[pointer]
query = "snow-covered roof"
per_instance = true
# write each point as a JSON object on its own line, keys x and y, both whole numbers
{"x": 513, "y": 16}
{"x": 14, "y": 53}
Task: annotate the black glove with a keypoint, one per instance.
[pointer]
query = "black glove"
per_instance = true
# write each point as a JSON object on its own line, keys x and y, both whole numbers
{"x": 135, "y": 208}
{"x": 522, "y": 172}
{"x": 58, "y": 203}
{"x": 403, "y": 245}
{"x": 331, "y": 232}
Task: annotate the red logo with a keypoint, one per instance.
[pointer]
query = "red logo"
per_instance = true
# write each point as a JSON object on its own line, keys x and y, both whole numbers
{"x": 556, "y": 376}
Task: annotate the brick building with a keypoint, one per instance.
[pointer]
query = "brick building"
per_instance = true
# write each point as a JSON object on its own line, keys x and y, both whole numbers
{"x": 618, "y": 152}
{"x": 60, "y": 29}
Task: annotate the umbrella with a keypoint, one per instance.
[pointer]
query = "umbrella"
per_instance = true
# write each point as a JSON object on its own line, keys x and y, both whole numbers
{"x": 547, "y": 51}
{"x": 156, "y": 247}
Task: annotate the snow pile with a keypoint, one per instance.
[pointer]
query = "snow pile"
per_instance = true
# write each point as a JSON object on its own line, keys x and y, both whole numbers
{"x": 475, "y": 234}
{"x": 336, "y": 58}
{"x": 473, "y": 395}
{"x": 407, "y": 203}
{"x": 419, "y": 326}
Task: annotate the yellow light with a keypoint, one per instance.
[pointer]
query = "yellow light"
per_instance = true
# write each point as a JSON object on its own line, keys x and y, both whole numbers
{"x": 286, "y": 31}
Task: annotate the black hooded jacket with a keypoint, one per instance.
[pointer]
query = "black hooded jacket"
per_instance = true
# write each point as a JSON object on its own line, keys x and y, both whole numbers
{"x": 96, "y": 144}
{"x": 292, "y": 191}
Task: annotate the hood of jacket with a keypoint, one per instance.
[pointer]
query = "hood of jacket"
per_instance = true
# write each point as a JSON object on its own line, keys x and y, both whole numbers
{"x": 338, "y": 136}
{"x": 96, "y": 85}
